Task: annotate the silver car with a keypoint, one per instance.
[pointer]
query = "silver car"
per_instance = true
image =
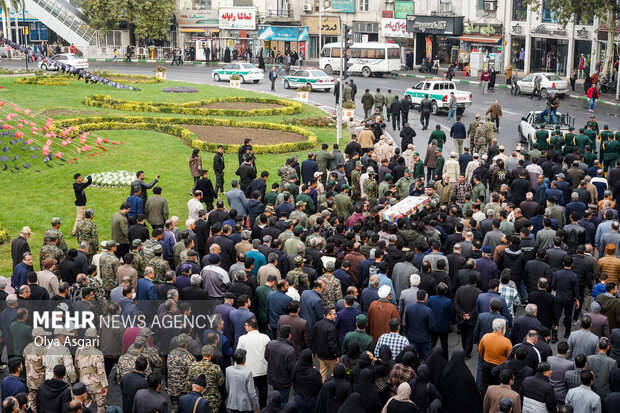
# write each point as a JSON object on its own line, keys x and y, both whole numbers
{"x": 549, "y": 82}
{"x": 68, "y": 58}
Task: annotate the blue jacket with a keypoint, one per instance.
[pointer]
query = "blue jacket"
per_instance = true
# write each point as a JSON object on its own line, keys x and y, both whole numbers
{"x": 18, "y": 278}
{"x": 223, "y": 345}
{"x": 345, "y": 322}
{"x": 128, "y": 308}
{"x": 237, "y": 320}
{"x": 224, "y": 311}
{"x": 521, "y": 326}
{"x": 146, "y": 290}
{"x": 458, "y": 131}
{"x": 308, "y": 168}
{"x": 277, "y": 305}
{"x": 484, "y": 324}
{"x": 255, "y": 208}
{"x": 12, "y": 385}
{"x": 443, "y": 311}
{"x": 575, "y": 206}
{"x": 311, "y": 308}
{"x": 136, "y": 205}
{"x": 484, "y": 300}
{"x": 598, "y": 289}
{"x": 236, "y": 200}
{"x": 420, "y": 323}
{"x": 557, "y": 193}
{"x": 488, "y": 270}
{"x": 187, "y": 402}
{"x": 369, "y": 295}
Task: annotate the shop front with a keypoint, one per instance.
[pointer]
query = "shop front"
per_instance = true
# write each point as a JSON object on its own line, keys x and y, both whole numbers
{"x": 329, "y": 32}
{"x": 395, "y": 31}
{"x": 549, "y": 49}
{"x": 198, "y": 30}
{"x": 284, "y": 39}
{"x": 484, "y": 40}
{"x": 237, "y": 32}
{"x": 436, "y": 37}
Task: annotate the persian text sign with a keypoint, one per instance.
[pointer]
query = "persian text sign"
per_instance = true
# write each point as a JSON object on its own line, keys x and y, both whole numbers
{"x": 243, "y": 18}
{"x": 395, "y": 28}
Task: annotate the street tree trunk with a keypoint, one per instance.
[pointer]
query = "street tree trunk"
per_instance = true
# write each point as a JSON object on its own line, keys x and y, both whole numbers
{"x": 611, "y": 46}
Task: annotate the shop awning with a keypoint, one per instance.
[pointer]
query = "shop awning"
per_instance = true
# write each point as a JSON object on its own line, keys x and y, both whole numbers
{"x": 496, "y": 39}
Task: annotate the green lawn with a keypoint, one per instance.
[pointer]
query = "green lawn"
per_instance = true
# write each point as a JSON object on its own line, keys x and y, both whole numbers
{"x": 31, "y": 198}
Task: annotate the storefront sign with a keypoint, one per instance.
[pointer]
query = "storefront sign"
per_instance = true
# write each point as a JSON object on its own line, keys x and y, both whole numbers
{"x": 543, "y": 29}
{"x": 435, "y": 24}
{"x": 402, "y": 9}
{"x": 395, "y": 28}
{"x": 330, "y": 25}
{"x": 197, "y": 18}
{"x": 343, "y": 6}
{"x": 387, "y": 14}
{"x": 237, "y": 18}
{"x": 283, "y": 33}
{"x": 487, "y": 30}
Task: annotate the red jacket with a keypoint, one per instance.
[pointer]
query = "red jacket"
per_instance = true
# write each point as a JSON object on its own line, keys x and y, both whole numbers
{"x": 593, "y": 93}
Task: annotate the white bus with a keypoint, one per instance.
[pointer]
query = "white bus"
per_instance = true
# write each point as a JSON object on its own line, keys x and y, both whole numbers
{"x": 364, "y": 58}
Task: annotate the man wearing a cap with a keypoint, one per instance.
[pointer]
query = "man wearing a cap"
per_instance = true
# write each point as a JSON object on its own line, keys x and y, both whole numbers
{"x": 127, "y": 361}
{"x": 403, "y": 185}
{"x": 333, "y": 291}
{"x": 343, "y": 202}
{"x": 371, "y": 188}
{"x": 479, "y": 137}
{"x": 51, "y": 250}
{"x": 108, "y": 265}
{"x": 55, "y": 231}
{"x": 305, "y": 198}
{"x": 33, "y": 361}
{"x": 609, "y": 149}
{"x": 179, "y": 362}
{"x": 194, "y": 402}
{"x": 159, "y": 265}
{"x": 91, "y": 369}
{"x": 214, "y": 377}
{"x": 86, "y": 231}
{"x": 57, "y": 353}
{"x": 452, "y": 167}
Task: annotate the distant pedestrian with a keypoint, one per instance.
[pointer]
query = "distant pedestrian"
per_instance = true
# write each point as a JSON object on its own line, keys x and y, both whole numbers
{"x": 395, "y": 109}
{"x": 485, "y": 77}
{"x": 273, "y": 75}
{"x": 592, "y": 94}
{"x": 452, "y": 107}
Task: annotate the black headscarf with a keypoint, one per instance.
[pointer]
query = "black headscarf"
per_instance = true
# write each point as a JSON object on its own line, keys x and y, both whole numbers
{"x": 411, "y": 349}
{"x": 385, "y": 354}
{"x": 274, "y": 403}
{"x": 423, "y": 392}
{"x": 366, "y": 386}
{"x": 436, "y": 363}
{"x": 363, "y": 363}
{"x": 352, "y": 404}
{"x": 334, "y": 391}
{"x": 353, "y": 350}
{"x": 458, "y": 387}
{"x": 306, "y": 379}
{"x": 291, "y": 407}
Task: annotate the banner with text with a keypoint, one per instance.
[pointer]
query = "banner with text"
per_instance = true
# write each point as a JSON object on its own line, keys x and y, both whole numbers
{"x": 395, "y": 28}
{"x": 243, "y": 18}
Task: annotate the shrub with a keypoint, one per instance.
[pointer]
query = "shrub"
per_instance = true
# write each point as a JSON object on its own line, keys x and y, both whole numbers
{"x": 347, "y": 104}
{"x": 304, "y": 88}
{"x": 127, "y": 78}
{"x": 179, "y": 89}
{"x": 4, "y": 234}
{"x": 160, "y": 69}
{"x": 234, "y": 77}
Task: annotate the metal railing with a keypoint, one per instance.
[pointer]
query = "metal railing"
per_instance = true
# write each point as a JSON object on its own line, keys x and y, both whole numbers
{"x": 68, "y": 19}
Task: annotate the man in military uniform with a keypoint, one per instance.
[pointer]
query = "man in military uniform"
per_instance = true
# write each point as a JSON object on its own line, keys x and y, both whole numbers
{"x": 299, "y": 213}
{"x": 591, "y": 133}
{"x": 292, "y": 185}
{"x": 356, "y": 173}
{"x": 179, "y": 362}
{"x": 51, "y": 250}
{"x": 385, "y": 184}
{"x": 404, "y": 184}
{"x": 333, "y": 291}
{"x": 108, "y": 264}
{"x": 285, "y": 173}
{"x": 213, "y": 375}
{"x": 441, "y": 161}
{"x": 437, "y": 135}
{"x": 371, "y": 189}
{"x": 343, "y": 203}
{"x": 418, "y": 166}
{"x": 480, "y": 139}
{"x": 57, "y": 353}
{"x": 139, "y": 263}
{"x": 304, "y": 196}
{"x": 99, "y": 302}
{"x": 581, "y": 140}
{"x": 593, "y": 123}
{"x": 33, "y": 359}
{"x": 610, "y": 149}
{"x": 541, "y": 136}
{"x": 471, "y": 132}
{"x": 91, "y": 369}
{"x": 568, "y": 141}
{"x": 149, "y": 351}
{"x": 148, "y": 245}
{"x": 55, "y": 231}
{"x": 160, "y": 266}
{"x": 491, "y": 129}
{"x": 322, "y": 159}
{"x": 87, "y": 231}
{"x": 126, "y": 362}
{"x": 379, "y": 101}
{"x": 605, "y": 135}
{"x": 298, "y": 273}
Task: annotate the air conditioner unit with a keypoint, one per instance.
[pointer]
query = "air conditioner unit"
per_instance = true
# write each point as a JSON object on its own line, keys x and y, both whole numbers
{"x": 446, "y": 7}
{"x": 308, "y": 7}
{"x": 489, "y": 6}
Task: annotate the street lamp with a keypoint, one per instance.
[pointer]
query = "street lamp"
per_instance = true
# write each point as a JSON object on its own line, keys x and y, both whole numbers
{"x": 25, "y": 31}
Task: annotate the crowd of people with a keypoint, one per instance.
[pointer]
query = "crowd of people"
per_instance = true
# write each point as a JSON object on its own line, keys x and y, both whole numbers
{"x": 312, "y": 293}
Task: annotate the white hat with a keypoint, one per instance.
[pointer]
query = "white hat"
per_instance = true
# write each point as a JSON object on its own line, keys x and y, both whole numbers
{"x": 317, "y": 174}
{"x": 384, "y": 291}
{"x": 26, "y": 230}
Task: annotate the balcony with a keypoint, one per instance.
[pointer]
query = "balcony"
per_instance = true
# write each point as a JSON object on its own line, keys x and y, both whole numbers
{"x": 278, "y": 16}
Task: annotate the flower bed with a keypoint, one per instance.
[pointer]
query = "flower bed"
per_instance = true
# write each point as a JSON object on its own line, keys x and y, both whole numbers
{"x": 319, "y": 121}
{"x": 179, "y": 89}
{"x": 170, "y": 126}
{"x": 4, "y": 234}
{"x": 57, "y": 79}
{"x": 196, "y": 107}
{"x": 116, "y": 179}
{"x": 127, "y": 78}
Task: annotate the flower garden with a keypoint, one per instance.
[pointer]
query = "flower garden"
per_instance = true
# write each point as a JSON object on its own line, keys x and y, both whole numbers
{"x": 149, "y": 130}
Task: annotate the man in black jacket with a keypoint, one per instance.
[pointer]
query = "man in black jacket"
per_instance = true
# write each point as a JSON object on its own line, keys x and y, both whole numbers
{"x": 406, "y": 136}
{"x": 151, "y": 400}
{"x": 566, "y": 286}
{"x": 545, "y": 302}
{"x": 405, "y": 105}
{"x": 54, "y": 394}
{"x": 132, "y": 382}
{"x": 583, "y": 268}
{"x": 574, "y": 234}
{"x": 202, "y": 232}
{"x": 281, "y": 361}
{"x": 243, "y": 150}
{"x": 205, "y": 186}
{"x": 395, "y": 109}
{"x": 425, "y": 109}
{"x": 246, "y": 173}
{"x": 325, "y": 342}
{"x": 80, "y": 197}
{"x": 537, "y": 390}
{"x": 218, "y": 168}
{"x": 258, "y": 184}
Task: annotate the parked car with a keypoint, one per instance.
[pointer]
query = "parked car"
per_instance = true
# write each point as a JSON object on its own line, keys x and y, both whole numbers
{"x": 315, "y": 78}
{"x": 550, "y": 82}
{"x": 438, "y": 92}
{"x": 245, "y": 71}
{"x": 68, "y": 58}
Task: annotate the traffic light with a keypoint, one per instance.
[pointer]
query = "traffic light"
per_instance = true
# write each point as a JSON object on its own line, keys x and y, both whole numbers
{"x": 347, "y": 32}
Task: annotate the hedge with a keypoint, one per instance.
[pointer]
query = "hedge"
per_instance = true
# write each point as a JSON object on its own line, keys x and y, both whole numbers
{"x": 194, "y": 108}
{"x": 127, "y": 78}
{"x": 170, "y": 126}
{"x": 4, "y": 234}
{"x": 42, "y": 80}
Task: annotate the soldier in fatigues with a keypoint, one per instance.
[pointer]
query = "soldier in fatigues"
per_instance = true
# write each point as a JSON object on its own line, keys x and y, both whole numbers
{"x": 126, "y": 362}
{"x": 299, "y": 214}
{"x": 139, "y": 263}
{"x": 480, "y": 139}
{"x": 35, "y": 370}
{"x": 87, "y": 231}
{"x": 371, "y": 188}
{"x": 160, "y": 266}
{"x": 91, "y": 370}
{"x": 297, "y": 272}
{"x": 333, "y": 291}
{"x": 179, "y": 362}
{"x": 356, "y": 191}
{"x": 213, "y": 374}
{"x": 99, "y": 302}
{"x": 108, "y": 264}
{"x": 51, "y": 250}
{"x": 56, "y": 353}
{"x": 404, "y": 184}
{"x": 285, "y": 173}
{"x": 150, "y": 352}
{"x": 55, "y": 231}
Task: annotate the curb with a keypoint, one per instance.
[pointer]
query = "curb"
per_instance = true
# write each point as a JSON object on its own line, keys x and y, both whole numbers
{"x": 585, "y": 99}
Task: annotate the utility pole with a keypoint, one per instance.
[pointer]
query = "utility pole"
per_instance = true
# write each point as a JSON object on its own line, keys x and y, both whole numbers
{"x": 25, "y": 31}
{"x": 321, "y": 4}
{"x": 343, "y": 36}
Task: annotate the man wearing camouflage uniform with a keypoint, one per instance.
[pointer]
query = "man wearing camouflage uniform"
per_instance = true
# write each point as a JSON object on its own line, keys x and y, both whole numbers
{"x": 371, "y": 189}
{"x": 148, "y": 245}
{"x": 179, "y": 362}
{"x": 213, "y": 374}
{"x": 56, "y": 353}
{"x": 87, "y": 231}
{"x": 299, "y": 275}
{"x": 139, "y": 263}
{"x": 471, "y": 131}
{"x": 356, "y": 191}
{"x": 35, "y": 370}
{"x": 333, "y": 291}
{"x": 299, "y": 213}
{"x": 99, "y": 302}
{"x": 404, "y": 184}
{"x": 160, "y": 266}
{"x": 108, "y": 264}
{"x": 55, "y": 231}
{"x": 149, "y": 351}
{"x": 51, "y": 250}
{"x": 91, "y": 369}
{"x": 480, "y": 139}
{"x": 126, "y": 362}
{"x": 285, "y": 173}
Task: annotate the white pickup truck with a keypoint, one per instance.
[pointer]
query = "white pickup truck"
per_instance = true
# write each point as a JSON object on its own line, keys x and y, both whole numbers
{"x": 529, "y": 125}
{"x": 439, "y": 92}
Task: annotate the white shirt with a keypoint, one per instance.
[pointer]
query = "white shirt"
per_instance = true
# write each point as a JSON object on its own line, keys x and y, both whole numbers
{"x": 255, "y": 343}
{"x": 193, "y": 206}
{"x": 292, "y": 292}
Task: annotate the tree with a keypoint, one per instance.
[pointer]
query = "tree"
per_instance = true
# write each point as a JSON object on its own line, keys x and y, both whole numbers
{"x": 566, "y": 11}
{"x": 106, "y": 14}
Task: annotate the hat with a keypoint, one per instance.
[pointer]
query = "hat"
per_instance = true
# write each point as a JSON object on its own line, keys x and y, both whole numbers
{"x": 501, "y": 147}
{"x": 388, "y": 176}
{"x": 592, "y": 116}
{"x": 361, "y": 318}
{"x": 293, "y": 176}
{"x": 288, "y": 222}
{"x": 299, "y": 260}
{"x": 344, "y": 186}
{"x": 317, "y": 174}
{"x": 214, "y": 258}
{"x": 146, "y": 332}
{"x": 478, "y": 115}
{"x": 182, "y": 339}
{"x": 330, "y": 265}
{"x": 371, "y": 172}
{"x": 384, "y": 291}
{"x": 140, "y": 341}
{"x": 200, "y": 380}
{"x": 38, "y": 331}
{"x": 298, "y": 228}
{"x": 26, "y": 230}
{"x": 91, "y": 332}
{"x": 407, "y": 171}
{"x": 157, "y": 248}
{"x": 439, "y": 150}
{"x": 112, "y": 243}
{"x": 270, "y": 209}
{"x": 416, "y": 154}
{"x": 136, "y": 242}
{"x": 185, "y": 267}
{"x": 571, "y": 128}
{"x": 300, "y": 204}
{"x": 359, "y": 163}
{"x": 229, "y": 296}
{"x": 56, "y": 221}
{"x": 560, "y": 175}
{"x": 452, "y": 154}
{"x": 63, "y": 331}
{"x": 486, "y": 249}
{"x": 370, "y": 168}
{"x": 79, "y": 388}
{"x": 505, "y": 405}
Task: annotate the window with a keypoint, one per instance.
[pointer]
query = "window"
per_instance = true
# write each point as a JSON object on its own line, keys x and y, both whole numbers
{"x": 427, "y": 86}
{"x": 201, "y": 4}
{"x": 547, "y": 14}
{"x": 438, "y": 86}
{"x": 373, "y": 53}
{"x": 419, "y": 86}
{"x": 302, "y": 73}
{"x": 326, "y": 52}
{"x": 335, "y": 52}
{"x": 318, "y": 73}
{"x": 519, "y": 11}
{"x": 363, "y": 5}
{"x": 528, "y": 78}
{"x": 354, "y": 53}
{"x": 393, "y": 53}
{"x": 326, "y": 4}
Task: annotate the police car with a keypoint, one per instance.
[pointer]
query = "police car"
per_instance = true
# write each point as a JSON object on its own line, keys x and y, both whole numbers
{"x": 245, "y": 71}
{"x": 315, "y": 78}
{"x": 439, "y": 93}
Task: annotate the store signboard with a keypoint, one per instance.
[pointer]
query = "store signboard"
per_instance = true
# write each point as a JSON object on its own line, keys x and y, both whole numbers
{"x": 243, "y": 18}
{"x": 387, "y": 14}
{"x": 435, "y": 24}
{"x": 283, "y": 33}
{"x": 402, "y": 9}
{"x": 330, "y": 25}
{"x": 395, "y": 28}
{"x": 343, "y": 6}
{"x": 197, "y": 18}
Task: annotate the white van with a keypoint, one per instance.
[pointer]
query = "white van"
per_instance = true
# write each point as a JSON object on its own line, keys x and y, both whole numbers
{"x": 365, "y": 58}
